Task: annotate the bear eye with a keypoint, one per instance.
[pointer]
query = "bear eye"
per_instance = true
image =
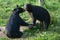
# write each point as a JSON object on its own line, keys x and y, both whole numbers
{"x": 14, "y": 9}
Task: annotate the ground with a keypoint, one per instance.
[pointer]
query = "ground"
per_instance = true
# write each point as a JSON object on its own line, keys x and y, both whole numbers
{"x": 2, "y": 34}
{"x": 48, "y": 35}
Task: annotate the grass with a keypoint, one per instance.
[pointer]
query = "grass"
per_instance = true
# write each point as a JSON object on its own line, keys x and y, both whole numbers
{"x": 53, "y": 6}
{"x": 49, "y": 35}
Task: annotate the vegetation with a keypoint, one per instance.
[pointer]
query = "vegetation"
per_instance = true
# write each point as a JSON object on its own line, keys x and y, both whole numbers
{"x": 53, "y": 6}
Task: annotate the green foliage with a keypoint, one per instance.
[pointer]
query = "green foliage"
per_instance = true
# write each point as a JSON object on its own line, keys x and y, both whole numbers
{"x": 53, "y": 6}
{"x": 3, "y": 38}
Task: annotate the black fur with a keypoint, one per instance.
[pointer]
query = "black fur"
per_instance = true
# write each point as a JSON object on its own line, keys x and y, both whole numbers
{"x": 13, "y": 25}
{"x": 39, "y": 13}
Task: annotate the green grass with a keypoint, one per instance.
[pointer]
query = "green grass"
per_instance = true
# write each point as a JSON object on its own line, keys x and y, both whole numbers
{"x": 49, "y": 35}
{"x": 53, "y": 6}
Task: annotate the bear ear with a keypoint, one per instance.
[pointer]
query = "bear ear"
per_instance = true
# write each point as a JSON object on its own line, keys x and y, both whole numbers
{"x": 17, "y": 6}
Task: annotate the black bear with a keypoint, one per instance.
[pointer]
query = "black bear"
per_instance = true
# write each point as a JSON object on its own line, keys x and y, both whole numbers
{"x": 38, "y": 13}
{"x": 13, "y": 25}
